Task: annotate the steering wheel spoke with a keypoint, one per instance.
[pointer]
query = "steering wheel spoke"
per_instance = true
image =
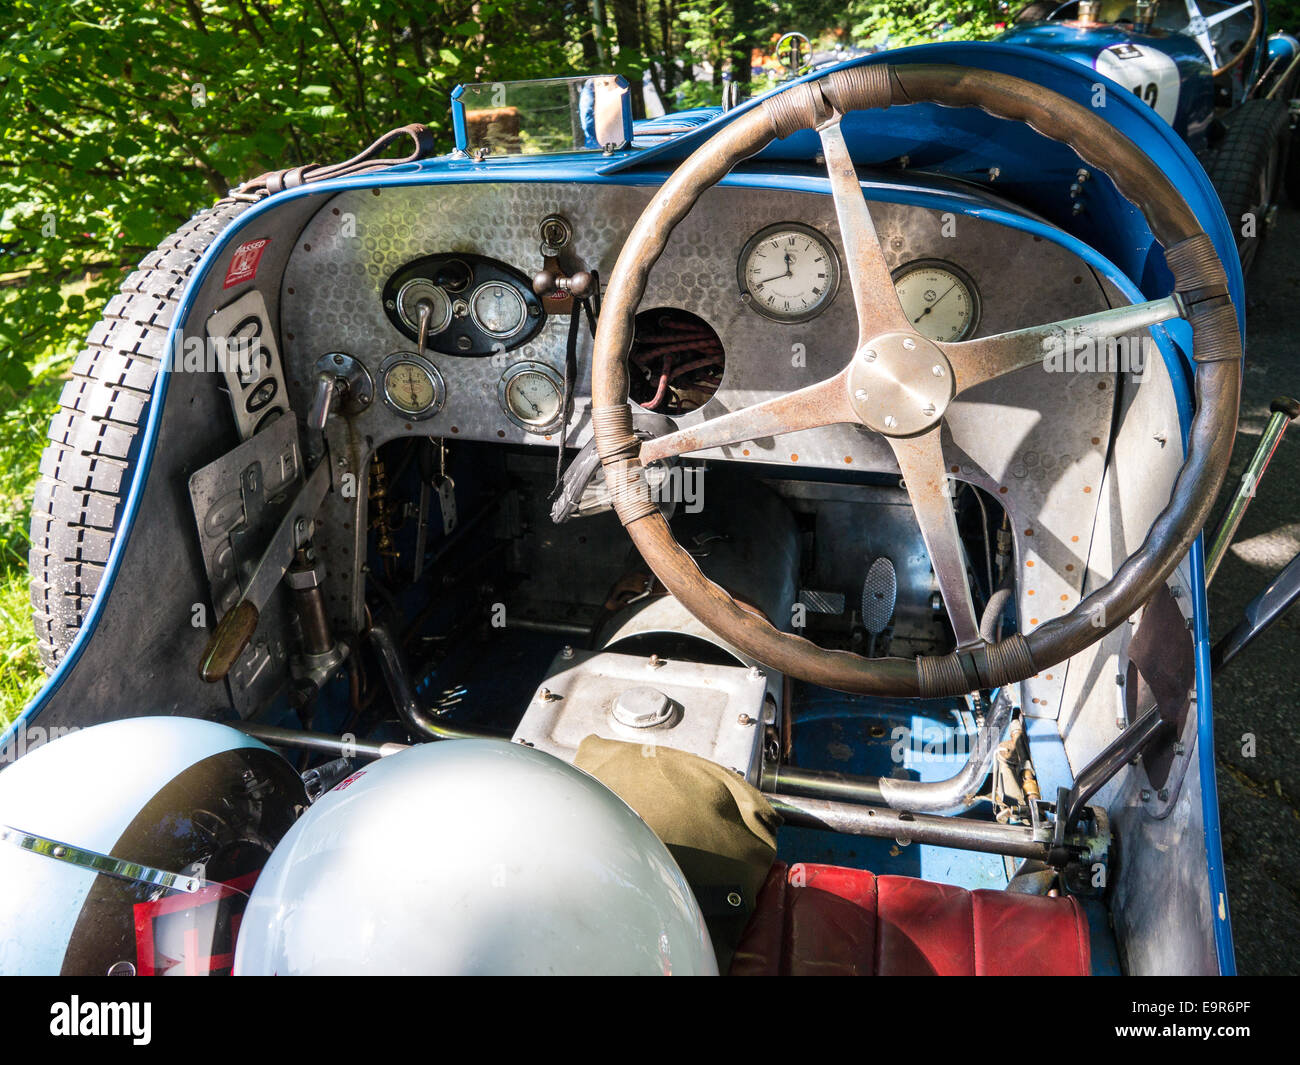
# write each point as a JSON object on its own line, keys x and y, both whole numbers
{"x": 1199, "y": 26}
{"x": 977, "y": 361}
{"x": 825, "y": 403}
{"x": 874, "y": 295}
{"x": 920, "y": 458}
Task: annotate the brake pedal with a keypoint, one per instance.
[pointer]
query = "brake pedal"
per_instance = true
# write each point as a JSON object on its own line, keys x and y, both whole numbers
{"x": 879, "y": 597}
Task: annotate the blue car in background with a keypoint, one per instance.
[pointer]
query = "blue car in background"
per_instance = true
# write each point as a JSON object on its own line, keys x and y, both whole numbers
{"x": 1217, "y": 76}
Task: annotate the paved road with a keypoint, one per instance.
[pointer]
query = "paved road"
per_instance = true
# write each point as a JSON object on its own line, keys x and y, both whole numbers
{"x": 1259, "y": 694}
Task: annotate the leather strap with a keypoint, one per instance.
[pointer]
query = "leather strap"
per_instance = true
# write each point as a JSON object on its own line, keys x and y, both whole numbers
{"x": 274, "y": 181}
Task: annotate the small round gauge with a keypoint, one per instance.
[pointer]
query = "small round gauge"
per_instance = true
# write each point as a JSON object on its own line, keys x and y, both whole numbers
{"x": 939, "y": 299}
{"x": 788, "y": 272}
{"x": 413, "y": 387}
{"x": 408, "y": 304}
{"x": 498, "y": 309}
{"x": 532, "y": 396}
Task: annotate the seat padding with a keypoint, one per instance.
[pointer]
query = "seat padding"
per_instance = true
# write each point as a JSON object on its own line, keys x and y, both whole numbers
{"x": 826, "y": 920}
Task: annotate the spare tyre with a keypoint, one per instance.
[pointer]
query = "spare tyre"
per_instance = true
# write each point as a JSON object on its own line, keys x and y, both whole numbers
{"x": 94, "y": 440}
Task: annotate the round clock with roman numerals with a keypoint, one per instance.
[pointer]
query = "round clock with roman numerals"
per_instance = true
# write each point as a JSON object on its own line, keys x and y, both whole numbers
{"x": 788, "y": 272}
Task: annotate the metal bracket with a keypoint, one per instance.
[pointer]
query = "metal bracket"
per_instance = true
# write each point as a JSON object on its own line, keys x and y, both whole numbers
{"x": 98, "y": 863}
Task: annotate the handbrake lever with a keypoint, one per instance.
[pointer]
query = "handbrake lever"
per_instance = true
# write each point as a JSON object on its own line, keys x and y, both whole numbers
{"x": 236, "y": 628}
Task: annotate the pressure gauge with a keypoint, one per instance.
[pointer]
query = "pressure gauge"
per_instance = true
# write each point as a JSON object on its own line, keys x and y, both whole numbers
{"x": 409, "y": 298}
{"x": 498, "y": 309}
{"x": 788, "y": 272}
{"x": 532, "y": 396}
{"x": 939, "y": 299}
{"x": 413, "y": 387}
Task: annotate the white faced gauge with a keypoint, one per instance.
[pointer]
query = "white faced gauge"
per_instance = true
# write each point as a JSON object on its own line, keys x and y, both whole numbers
{"x": 532, "y": 396}
{"x": 412, "y": 386}
{"x": 788, "y": 272}
{"x": 498, "y": 309}
{"x": 939, "y": 299}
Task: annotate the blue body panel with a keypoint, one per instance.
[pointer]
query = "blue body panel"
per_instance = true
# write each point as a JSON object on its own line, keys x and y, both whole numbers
{"x": 1109, "y": 233}
{"x": 1082, "y": 44}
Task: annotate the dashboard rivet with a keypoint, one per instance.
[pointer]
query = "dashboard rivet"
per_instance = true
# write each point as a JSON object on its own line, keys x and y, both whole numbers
{"x": 937, "y": 370}
{"x": 890, "y": 421}
{"x": 909, "y": 343}
{"x": 861, "y": 395}
{"x": 869, "y": 356}
{"x": 928, "y": 410}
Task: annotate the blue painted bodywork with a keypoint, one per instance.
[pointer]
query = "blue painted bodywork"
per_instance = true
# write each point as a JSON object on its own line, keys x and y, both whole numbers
{"x": 1082, "y": 45}
{"x": 1034, "y": 173}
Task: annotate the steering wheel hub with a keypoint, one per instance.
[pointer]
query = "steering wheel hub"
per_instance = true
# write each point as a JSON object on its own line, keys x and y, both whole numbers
{"x": 900, "y": 384}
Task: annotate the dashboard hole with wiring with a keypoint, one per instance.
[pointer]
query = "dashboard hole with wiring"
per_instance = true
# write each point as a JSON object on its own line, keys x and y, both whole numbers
{"x": 676, "y": 363}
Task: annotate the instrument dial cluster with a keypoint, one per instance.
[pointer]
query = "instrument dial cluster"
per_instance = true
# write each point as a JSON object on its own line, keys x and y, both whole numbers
{"x": 473, "y": 306}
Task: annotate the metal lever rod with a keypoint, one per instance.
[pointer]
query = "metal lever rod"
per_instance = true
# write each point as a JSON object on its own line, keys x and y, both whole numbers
{"x": 1259, "y": 616}
{"x": 236, "y": 628}
{"x": 1118, "y": 753}
{"x": 1285, "y": 410}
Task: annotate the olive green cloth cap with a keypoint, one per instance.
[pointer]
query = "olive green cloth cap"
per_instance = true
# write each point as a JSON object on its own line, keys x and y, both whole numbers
{"x": 718, "y": 827}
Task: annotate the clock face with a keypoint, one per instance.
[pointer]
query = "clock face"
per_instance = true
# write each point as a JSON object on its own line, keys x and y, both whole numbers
{"x": 788, "y": 272}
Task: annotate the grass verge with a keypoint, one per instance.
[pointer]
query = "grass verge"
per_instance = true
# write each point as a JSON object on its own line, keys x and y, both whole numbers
{"x": 24, "y": 419}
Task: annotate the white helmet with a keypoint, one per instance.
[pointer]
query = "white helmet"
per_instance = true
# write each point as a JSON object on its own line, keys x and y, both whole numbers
{"x": 129, "y": 848}
{"x": 472, "y": 857}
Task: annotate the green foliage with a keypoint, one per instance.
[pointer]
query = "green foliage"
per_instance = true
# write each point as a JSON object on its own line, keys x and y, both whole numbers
{"x": 24, "y": 416}
{"x": 1284, "y": 15}
{"x": 895, "y": 23}
{"x": 119, "y": 120}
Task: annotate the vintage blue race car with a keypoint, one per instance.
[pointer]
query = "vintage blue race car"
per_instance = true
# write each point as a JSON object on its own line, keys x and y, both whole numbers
{"x": 761, "y": 541}
{"x": 1219, "y": 78}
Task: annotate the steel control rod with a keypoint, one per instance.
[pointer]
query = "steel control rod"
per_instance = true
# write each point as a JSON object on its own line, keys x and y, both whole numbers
{"x": 320, "y": 742}
{"x": 957, "y": 832}
{"x": 1285, "y": 410}
{"x": 952, "y": 795}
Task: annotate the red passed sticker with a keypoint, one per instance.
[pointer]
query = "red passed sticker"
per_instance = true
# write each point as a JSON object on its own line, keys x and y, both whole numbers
{"x": 342, "y": 784}
{"x": 243, "y": 266}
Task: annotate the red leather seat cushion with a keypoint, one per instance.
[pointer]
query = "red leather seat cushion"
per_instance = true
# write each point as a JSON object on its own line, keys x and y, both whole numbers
{"x": 825, "y": 920}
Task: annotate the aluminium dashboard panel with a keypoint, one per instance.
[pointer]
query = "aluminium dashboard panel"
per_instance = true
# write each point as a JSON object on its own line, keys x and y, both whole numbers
{"x": 1037, "y": 441}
